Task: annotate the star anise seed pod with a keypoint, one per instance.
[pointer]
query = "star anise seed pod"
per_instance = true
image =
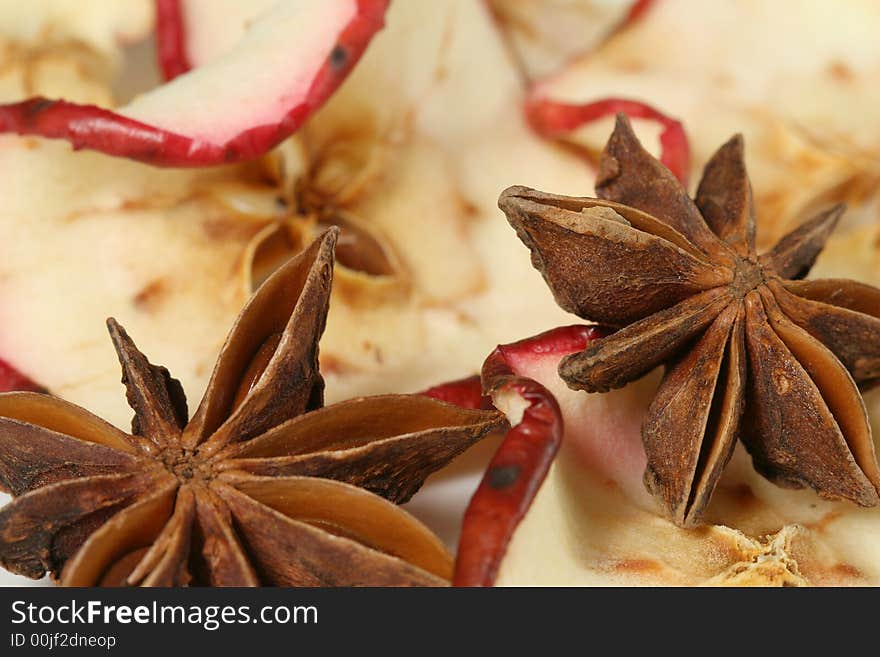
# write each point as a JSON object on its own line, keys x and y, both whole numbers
{"x": 749, "y": 351}
{"x": 261, "y": 486}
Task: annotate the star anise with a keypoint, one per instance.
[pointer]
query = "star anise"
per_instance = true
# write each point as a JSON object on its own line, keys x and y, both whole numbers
{"x": 750, "y": 352}
{"x": 261, "y": 486}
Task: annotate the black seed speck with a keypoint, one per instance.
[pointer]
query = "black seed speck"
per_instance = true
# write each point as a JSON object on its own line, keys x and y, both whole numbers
{"x": 503, "y": 476}
{"x": 338, "y": 57}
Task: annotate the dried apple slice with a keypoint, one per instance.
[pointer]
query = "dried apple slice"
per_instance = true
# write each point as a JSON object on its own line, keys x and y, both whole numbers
{"x": 102, "y": 25}
{"x": 545, "y": 34}
{"x": 467, "y": 393}
{"x": 12, "y": 379}
{"x": 811, "y": 135}
{"x": 512, "y": 477}
{"x": 425, "y": 186}
{"x": 557, "y": 120}
{"x": 168, "y": 252}
{"x": 70, "y": 71}
{"x": 191, "y": 33}
{"x": 67, "y": 49}
{"x": 418, "y": 170}
{"x": 524, "y": 458}
{"x": 263, "y": 100}
{"x": 54, "y": 297}
{"x": 591, "y": 522}
{"x": 171, "y": 39}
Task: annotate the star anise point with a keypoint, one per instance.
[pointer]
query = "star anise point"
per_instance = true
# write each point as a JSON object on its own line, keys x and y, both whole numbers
{"x": 751, "y": 352}
{"x": 263, "y": 485}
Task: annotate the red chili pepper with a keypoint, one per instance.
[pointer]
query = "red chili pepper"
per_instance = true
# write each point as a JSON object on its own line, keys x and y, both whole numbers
{"x": 521, "y": 463}
{"x": 555, "y": 120}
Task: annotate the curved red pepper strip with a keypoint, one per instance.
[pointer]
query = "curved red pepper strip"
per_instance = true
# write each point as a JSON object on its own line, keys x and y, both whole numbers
{"x": 11, "y": 379}
{"x": 522, "y": 461}
{"x": 554, "y": 120}
{"x": 171, "y": 39}
{"x": 88, "y": 126}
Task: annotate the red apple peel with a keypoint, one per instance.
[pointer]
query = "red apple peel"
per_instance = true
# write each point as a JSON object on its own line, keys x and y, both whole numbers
{"x": 171, "y": 39}
{"x": 555, "y": 120}
{"x": 522, "y": 461}
{"x": 466, "y": 393}
{"x": 11, "y": 379}
{"x": 638, "y": 10}
{"x": 115, "y": 133}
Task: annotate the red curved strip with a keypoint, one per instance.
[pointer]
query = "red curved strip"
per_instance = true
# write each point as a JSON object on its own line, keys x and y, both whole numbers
{"x": 171, "y": 39}
{"x": 554, "y": 120}
{"x": 521, "y": 463}
{"x": 11, "y": 379}
{"x": 562, "y": 340}
{"x": 638, "y": 10}
{"x": 95, "y": 128}
{"x": 467, "y": 393}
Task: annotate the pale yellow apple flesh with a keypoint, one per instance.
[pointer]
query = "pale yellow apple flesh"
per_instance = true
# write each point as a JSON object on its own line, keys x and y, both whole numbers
{"x": 593, "y": 524}
{"x": 213, "y": 27}
{"x": 803, "y": 95}
{"x": 546, "y": 34}
{"x": 168, "y": 252}
{"x": 183, "y": 105}
{"x": 102, "y": 25}
{"x": 422, "y": 138}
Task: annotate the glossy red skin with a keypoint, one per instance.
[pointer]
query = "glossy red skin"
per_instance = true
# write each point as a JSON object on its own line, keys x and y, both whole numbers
{"x": 467, "y": 393}
{"x": 11, "y": 379}
{"x": 554, "y": 120}
{"x": 522, "y": 461}
{"x": 171, "y": 39}
{"x": 91, "y": 127}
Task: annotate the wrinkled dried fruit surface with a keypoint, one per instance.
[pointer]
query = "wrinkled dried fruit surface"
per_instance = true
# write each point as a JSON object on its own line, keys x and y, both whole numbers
{"x": 751, "y": 351}
{"x": 179, "y": 124}
{"x": 62, "y": 49}
{"x": 397, "y": 142}
{"x": 605, "y": 527}
{"x": 555, "y": 120}
{"x": 805, "y": 105}
{"x": 518, "y": 468}
{"x": 101, "y": 25}
{"x": 545, "y": 34}
{"x": 262, "y": 486}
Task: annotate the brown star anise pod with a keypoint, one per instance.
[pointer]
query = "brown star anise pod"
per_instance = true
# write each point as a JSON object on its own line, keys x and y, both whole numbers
{"x": 750, "y": 351}
{"x": 261, "y": 486}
